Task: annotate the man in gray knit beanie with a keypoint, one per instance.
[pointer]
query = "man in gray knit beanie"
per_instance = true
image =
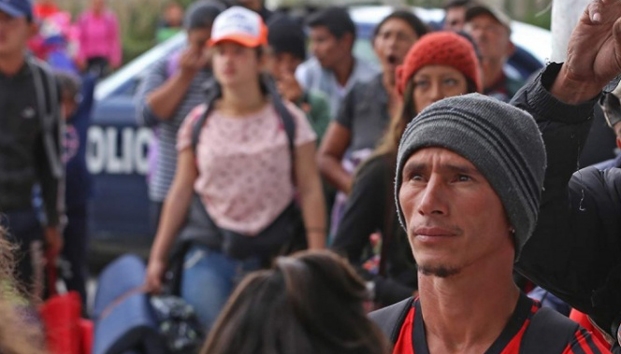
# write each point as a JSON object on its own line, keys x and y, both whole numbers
{"x": 500, "y": 140}
{"x": 470, "y": 176}
{"x": 470, "y": 173}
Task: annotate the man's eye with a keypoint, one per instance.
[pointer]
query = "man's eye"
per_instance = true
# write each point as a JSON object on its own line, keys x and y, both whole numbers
{"x": 415, "y": 177}
{"x": 464, "y": 178}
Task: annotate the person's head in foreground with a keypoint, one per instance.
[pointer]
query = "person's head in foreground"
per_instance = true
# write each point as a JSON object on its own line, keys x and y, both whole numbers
{"x": 469, "y": 177}
{"x": 311, "y": 302}
{"x": 439, "y": 65}
{"x": 18, "y": 335}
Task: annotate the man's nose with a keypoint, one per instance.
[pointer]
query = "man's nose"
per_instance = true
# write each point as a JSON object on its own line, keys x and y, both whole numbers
{"x": 432, "y": 198}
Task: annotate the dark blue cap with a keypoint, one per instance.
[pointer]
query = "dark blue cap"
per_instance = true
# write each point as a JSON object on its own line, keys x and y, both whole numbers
{"x": 17, "y": 8}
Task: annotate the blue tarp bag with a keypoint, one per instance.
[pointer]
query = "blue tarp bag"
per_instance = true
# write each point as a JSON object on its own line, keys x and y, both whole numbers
{"x": 122, "y": 311}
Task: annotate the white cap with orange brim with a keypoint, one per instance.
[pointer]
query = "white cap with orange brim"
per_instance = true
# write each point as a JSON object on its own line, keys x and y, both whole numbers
{"x": 239, "y": 25}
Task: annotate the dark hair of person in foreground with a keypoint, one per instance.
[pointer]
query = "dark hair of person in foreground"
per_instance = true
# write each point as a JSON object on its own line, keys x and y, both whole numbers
{"x": 18, "y": 335}
{"x": 310, "y": 302}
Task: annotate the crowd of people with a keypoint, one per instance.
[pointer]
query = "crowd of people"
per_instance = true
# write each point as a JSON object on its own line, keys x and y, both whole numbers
{"x": 442, "y": 182}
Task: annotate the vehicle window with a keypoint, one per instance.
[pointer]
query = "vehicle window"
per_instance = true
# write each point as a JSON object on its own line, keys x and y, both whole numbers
{"x": 364, "y": 50}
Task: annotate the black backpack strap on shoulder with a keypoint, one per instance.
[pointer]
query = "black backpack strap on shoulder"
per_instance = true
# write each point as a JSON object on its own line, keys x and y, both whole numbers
{"x": 48, "y": 103}
{"x": 286, "y": 118}
{"x": 212, "y": 95}
{"x": 389, "y": 319}
{"x": 549, "y": 332}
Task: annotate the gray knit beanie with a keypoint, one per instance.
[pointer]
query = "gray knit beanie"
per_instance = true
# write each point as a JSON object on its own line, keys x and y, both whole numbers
{"x": 501, "y": 141}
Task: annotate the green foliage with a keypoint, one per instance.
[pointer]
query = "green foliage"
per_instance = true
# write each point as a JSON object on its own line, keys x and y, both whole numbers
{"x": 138, "y": 18}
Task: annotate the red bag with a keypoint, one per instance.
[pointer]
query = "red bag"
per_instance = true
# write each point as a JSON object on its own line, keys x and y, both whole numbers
{"x": 65, "y": 331}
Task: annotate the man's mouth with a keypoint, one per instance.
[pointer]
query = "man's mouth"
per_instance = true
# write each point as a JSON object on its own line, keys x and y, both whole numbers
{"x": 392, "y": 59}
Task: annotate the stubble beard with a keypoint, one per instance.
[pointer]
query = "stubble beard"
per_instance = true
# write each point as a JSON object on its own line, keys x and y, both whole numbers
{"x": 440, "y": 271}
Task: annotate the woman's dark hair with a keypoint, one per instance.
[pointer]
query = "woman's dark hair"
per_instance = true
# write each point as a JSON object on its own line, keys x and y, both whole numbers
{"x": 69, "y": 83}
{"x": 417, "y": 25}
{"x": 311, "y": 302}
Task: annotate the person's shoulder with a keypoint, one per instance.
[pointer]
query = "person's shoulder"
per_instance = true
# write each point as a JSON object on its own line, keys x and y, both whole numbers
{"x": 311, "y": 64}
{"x": 594, "y": 176}
{"x": 369, "y": 85}
{"x": 366, "y": 69}
{"x": 390, "y": 318}
{"x": 293, "y": 109}
{"x": 316, "y": 97}
{"x": 377, "y": 164}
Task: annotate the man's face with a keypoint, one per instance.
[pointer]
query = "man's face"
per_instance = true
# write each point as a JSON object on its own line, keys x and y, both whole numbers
{"x": 282, "y": 64}
{"x": 198, "y": 37}
{"x": 455, "y": 19}
{"x": 455, "y": 220}
{"x": 392, "y": 42}
{"x": 491, "y": 38}
{"x": 14, "y": 34}
{"x": 328, "y": 49}
{"x": 174, "y": 15}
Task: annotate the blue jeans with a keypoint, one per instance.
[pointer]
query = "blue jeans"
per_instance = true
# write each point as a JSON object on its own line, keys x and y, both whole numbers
{"x": 208, "y": 279}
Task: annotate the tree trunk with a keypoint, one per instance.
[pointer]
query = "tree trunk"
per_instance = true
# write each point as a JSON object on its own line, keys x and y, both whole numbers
{"x": 565, "y": 16}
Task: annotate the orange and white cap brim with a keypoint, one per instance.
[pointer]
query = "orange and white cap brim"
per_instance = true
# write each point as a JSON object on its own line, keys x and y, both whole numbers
{"x": 239, "y": 25}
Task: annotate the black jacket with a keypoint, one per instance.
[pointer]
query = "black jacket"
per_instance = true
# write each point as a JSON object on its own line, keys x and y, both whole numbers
{"x": 575, "y": 249}
{"x": 371, "y": 208}
{"x": 30, "y": 139}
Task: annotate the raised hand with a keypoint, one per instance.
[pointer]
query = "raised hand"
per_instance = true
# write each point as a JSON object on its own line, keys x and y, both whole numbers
{"x": 593, "y": 53}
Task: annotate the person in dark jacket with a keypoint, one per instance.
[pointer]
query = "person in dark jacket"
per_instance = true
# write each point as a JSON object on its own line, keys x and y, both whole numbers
{"x": 30, "y": 135}
{"x": 579, "y": 226}
{"x": 77, "y": 104}
{"x": 459, "y": 146}
{"x": 370, "y": 207}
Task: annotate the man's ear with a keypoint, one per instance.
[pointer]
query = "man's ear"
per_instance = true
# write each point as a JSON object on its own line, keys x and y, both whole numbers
{"x": 347, "y": 40}
{"x": 510, "y": 48}
{"x": 619, "y": 142}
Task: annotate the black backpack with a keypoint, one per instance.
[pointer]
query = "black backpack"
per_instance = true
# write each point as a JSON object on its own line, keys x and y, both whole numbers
{"x": 549, "y": 332}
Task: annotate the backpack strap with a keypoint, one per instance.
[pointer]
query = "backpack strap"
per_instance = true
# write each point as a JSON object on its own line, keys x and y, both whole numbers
{"x": 213, "y": 94}
{"x": 548, "y": 332}
{"x": 279, "y": 106}
{"x": 390, "y": 319}
{"x": 47, "y": 96}
{"x": 286, "y": 118}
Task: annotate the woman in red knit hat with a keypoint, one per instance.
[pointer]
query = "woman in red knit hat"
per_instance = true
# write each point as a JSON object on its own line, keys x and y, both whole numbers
{"x": 439, "y": 65}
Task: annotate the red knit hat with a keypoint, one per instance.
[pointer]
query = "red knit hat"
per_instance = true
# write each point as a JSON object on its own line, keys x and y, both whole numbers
{"x": 440, "y": 48}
